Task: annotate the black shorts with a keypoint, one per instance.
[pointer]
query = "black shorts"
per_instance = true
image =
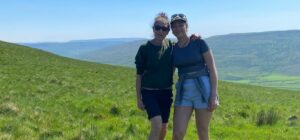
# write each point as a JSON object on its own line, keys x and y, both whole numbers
{"x": 158, "y": 103}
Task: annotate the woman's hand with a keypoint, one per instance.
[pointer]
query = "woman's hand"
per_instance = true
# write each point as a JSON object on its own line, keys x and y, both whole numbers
{"x": 213, "y": 103}
{"x": 195, "y": 37}
{"x": 140, "y": 104}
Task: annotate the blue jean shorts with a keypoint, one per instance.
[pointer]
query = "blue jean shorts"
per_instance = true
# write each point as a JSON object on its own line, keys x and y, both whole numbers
{"x": 191, "y": 95}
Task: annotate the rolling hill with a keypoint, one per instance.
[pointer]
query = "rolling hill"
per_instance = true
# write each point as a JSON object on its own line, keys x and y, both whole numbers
{"x": 45, "y": 96}
{"x": 265, "y": 58}
{"x": 122, "y": 55}
{"x": 77, "y": 47}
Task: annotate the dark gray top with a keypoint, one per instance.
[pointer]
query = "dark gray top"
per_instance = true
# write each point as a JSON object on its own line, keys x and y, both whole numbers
{"x": 156, "y": 72}
{"x": 190, "y": 58}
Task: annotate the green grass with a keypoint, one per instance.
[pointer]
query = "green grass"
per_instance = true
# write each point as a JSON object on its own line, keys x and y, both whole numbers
{"x": 275, "y": 80}
{"x": 44, "y": 96}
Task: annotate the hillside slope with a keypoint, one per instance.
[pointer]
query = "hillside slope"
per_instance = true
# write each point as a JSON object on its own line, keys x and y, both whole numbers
{"x": 77, "y": 47}
{"x": 265, "y": 58}
{"x": 45, "y": 96}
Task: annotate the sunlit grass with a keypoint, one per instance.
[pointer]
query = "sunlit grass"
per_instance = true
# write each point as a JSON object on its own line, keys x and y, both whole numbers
{"x": 44, "y": 96}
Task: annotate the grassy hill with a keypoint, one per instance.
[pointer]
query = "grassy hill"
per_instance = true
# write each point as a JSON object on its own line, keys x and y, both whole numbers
{"x": 76, "y": 47}
{"x": 45, "y": 96}
{"x": 121, "y": 55}
{"x": 265, "y": 58}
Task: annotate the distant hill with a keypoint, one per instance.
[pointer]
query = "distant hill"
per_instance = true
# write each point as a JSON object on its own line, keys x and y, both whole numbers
{"x": 45, "y": 96}
{"x": 76, "y": 47}
{"x": 263, "y": 58}
{"x": 122, "y": 54}
{"x": 267, "y": 52}
{"x": 266, "y": 58}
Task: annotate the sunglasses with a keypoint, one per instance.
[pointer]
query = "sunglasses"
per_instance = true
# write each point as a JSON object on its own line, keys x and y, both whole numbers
{"x": 157, "y": 28}
{"x": 180, "y": 15}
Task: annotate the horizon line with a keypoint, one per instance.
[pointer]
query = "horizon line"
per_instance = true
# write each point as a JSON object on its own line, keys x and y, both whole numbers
{"x": 110, "y": 38}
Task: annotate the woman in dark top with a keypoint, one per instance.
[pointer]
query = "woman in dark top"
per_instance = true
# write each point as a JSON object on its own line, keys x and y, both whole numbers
{"x": 196, "y": 88}
{"x": 154, "y": 77}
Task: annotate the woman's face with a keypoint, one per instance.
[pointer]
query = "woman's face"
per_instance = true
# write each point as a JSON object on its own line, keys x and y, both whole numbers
{"x": 161, "y": 29}
{"x": 179, "y": 28}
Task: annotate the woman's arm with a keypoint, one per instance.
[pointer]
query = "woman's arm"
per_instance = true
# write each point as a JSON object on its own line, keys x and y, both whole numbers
{"x": 210, "y": 62}
{"x": 140, "y": 62}
{"x": 174, "y": 68}
{"x": 140, "y": 104}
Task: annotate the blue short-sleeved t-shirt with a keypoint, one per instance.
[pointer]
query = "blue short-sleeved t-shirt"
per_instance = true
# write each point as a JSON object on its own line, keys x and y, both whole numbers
{"x": 190, "y": 58}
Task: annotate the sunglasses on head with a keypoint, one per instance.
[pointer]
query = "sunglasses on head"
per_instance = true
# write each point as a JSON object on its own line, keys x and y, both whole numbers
{"x": 157, "y": 28}
{"x": 180, "y": 15}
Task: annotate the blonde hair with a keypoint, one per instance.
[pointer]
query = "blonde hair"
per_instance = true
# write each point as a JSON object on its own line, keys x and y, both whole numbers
{"x": 162, "y": 16}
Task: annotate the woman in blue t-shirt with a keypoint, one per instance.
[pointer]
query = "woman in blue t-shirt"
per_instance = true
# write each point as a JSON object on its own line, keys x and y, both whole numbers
{"x": 196, "y": 88}
{"x": 154, "y": 77}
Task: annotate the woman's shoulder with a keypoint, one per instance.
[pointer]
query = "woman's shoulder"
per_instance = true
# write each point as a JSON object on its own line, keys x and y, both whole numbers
{"x": 200, "y": 45}
{"x": 198, "y": 41}
{"x": 144, "y": 45}
{"x": 171, "y": 42}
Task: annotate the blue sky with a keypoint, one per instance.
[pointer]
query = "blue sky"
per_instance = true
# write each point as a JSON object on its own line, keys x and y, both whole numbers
{"x": 63, "y": 20}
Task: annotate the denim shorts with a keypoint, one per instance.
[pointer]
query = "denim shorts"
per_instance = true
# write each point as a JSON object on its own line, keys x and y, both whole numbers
{"x": 191, "y": 95}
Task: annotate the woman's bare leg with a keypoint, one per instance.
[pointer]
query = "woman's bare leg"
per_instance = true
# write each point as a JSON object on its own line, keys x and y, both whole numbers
{"x": 202, "y": 122}
{"x": 163, "y": 131}
{"x": 156, "y": 126}
{"x": 182, "y": 116}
